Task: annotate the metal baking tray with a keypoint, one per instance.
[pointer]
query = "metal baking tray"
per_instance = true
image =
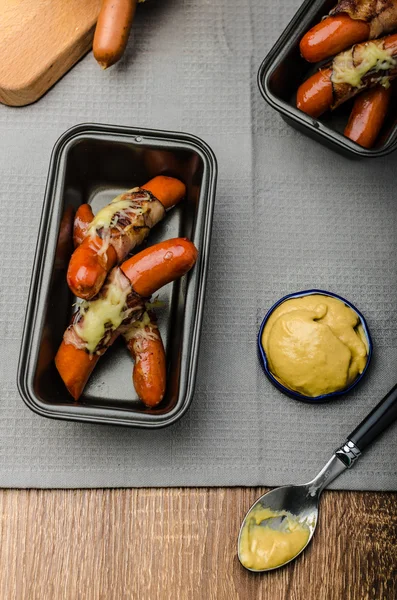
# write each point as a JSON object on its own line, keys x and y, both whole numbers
{"x": 93, "y": 163}
{"x": 283, "y": 70}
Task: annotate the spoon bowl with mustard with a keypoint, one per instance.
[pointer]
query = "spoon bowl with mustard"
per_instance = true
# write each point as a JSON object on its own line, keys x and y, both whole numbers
{"x": 280, "y": 524}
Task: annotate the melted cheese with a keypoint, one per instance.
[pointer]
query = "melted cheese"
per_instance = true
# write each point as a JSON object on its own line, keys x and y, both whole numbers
{"x": 106, "y": 313}
{"x": 372, "y": 57}
{"x": 108, "y": 217}
{"x": 142, "y": 329}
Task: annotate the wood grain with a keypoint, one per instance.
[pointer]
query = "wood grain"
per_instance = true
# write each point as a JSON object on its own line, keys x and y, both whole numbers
{"x": 39, "y": 41}
{"x": 180, "y": 544}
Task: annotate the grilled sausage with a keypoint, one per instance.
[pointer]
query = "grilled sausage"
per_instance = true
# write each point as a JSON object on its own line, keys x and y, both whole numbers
{"x": 146, "y": 347}
{"x": 116, "y": 230}
{"x": 331, "y": 36}
{"x": 323, "y": 90}
{"x": 315, "y": 95}
{"x": 349, "y": 22}
{"x": 158, "y": 265}
{"x": 368, "y": 115}
{"x": 129, "y": 286}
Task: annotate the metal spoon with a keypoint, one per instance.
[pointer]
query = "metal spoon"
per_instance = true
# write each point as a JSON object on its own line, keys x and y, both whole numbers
{"x": 302, "y": 500}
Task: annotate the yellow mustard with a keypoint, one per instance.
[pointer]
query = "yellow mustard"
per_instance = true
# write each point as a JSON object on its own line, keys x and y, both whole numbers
{"x": 262, "y": 547}
{"x": 315, "y": 345}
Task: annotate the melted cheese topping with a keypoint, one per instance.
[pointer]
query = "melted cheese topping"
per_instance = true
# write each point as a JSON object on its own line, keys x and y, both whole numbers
{"x": 105, "y": 314}
{"x": 143, "y": 329}
{"x": 108, "y": 217}
{"x": 371, "y": 57}
{"x": 263, "y": 547}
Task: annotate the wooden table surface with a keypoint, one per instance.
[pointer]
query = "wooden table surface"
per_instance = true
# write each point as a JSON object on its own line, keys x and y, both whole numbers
{"x": 177, "y": 544}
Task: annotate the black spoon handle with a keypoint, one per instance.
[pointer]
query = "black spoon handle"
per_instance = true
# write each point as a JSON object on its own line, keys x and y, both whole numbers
{"x": 383, "y": 415}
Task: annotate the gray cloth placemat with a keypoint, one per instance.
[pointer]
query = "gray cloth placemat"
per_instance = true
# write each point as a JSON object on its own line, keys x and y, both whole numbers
{"x": 289, "y": 215}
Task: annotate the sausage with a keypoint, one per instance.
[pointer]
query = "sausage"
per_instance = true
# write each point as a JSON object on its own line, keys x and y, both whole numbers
{"x": 319, "y": 93}
{"x": 380, "y": 15}
{"x": 143, "y": 339}
{"x": 160, "y": 264}
{"x": 368, "y": 115}
{"x": 146, "y": 347}
{"x": 349, "y": 22}
{"x": 82, "y": 220}
{"x": 315, "y": 95}
{"x": 168, "y": 190}
{"x": 104, "y": 247}
{"x": 112, "y": 30}
{"x": 75, "y": 366}
{"x": 331, "y": 36}
{"x": 88, "y": 267}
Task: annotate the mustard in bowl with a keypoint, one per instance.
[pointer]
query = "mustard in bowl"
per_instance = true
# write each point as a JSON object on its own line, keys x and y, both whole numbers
{"x": 314, "y": 345}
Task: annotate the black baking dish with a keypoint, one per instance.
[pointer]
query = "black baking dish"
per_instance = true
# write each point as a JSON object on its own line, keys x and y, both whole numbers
{"x": 94, "y": 163}
{"x": 283, "y": 70}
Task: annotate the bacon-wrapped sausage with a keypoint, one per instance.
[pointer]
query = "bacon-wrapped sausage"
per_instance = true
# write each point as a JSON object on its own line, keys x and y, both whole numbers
{"x": 143, "y": 338}
{"x": 97, "y": 323}
{"x": 116, "y": 230}
{"x": 381, "y": 15}
{"x": 362, "y": 67}
{"x": 350, "y": 22}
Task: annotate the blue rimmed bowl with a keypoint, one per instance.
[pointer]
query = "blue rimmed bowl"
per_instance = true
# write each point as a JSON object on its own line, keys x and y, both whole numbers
{"x": 292, "y": 393}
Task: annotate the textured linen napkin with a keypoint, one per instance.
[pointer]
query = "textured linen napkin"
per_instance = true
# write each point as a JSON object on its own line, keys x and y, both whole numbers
{"x": 290, "y": 215}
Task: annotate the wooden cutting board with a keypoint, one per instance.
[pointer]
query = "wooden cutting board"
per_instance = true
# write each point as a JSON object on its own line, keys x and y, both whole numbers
{"x": 39, "y": 41}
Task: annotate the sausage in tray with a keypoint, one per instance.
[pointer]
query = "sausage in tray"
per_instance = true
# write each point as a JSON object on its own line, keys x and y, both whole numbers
{"x": 348, "y": 23}
{"x": 116, "y": 230}
{"x": 361, "y": 67}
{"x": 147, "y": 350}
{"x": 120, "y": 303}
{"x": 368, "y": 115}
{"x": 143, "y": 338}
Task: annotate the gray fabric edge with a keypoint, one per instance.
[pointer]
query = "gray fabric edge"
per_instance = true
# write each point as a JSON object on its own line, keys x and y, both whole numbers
{"x": 124, "y": 479}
